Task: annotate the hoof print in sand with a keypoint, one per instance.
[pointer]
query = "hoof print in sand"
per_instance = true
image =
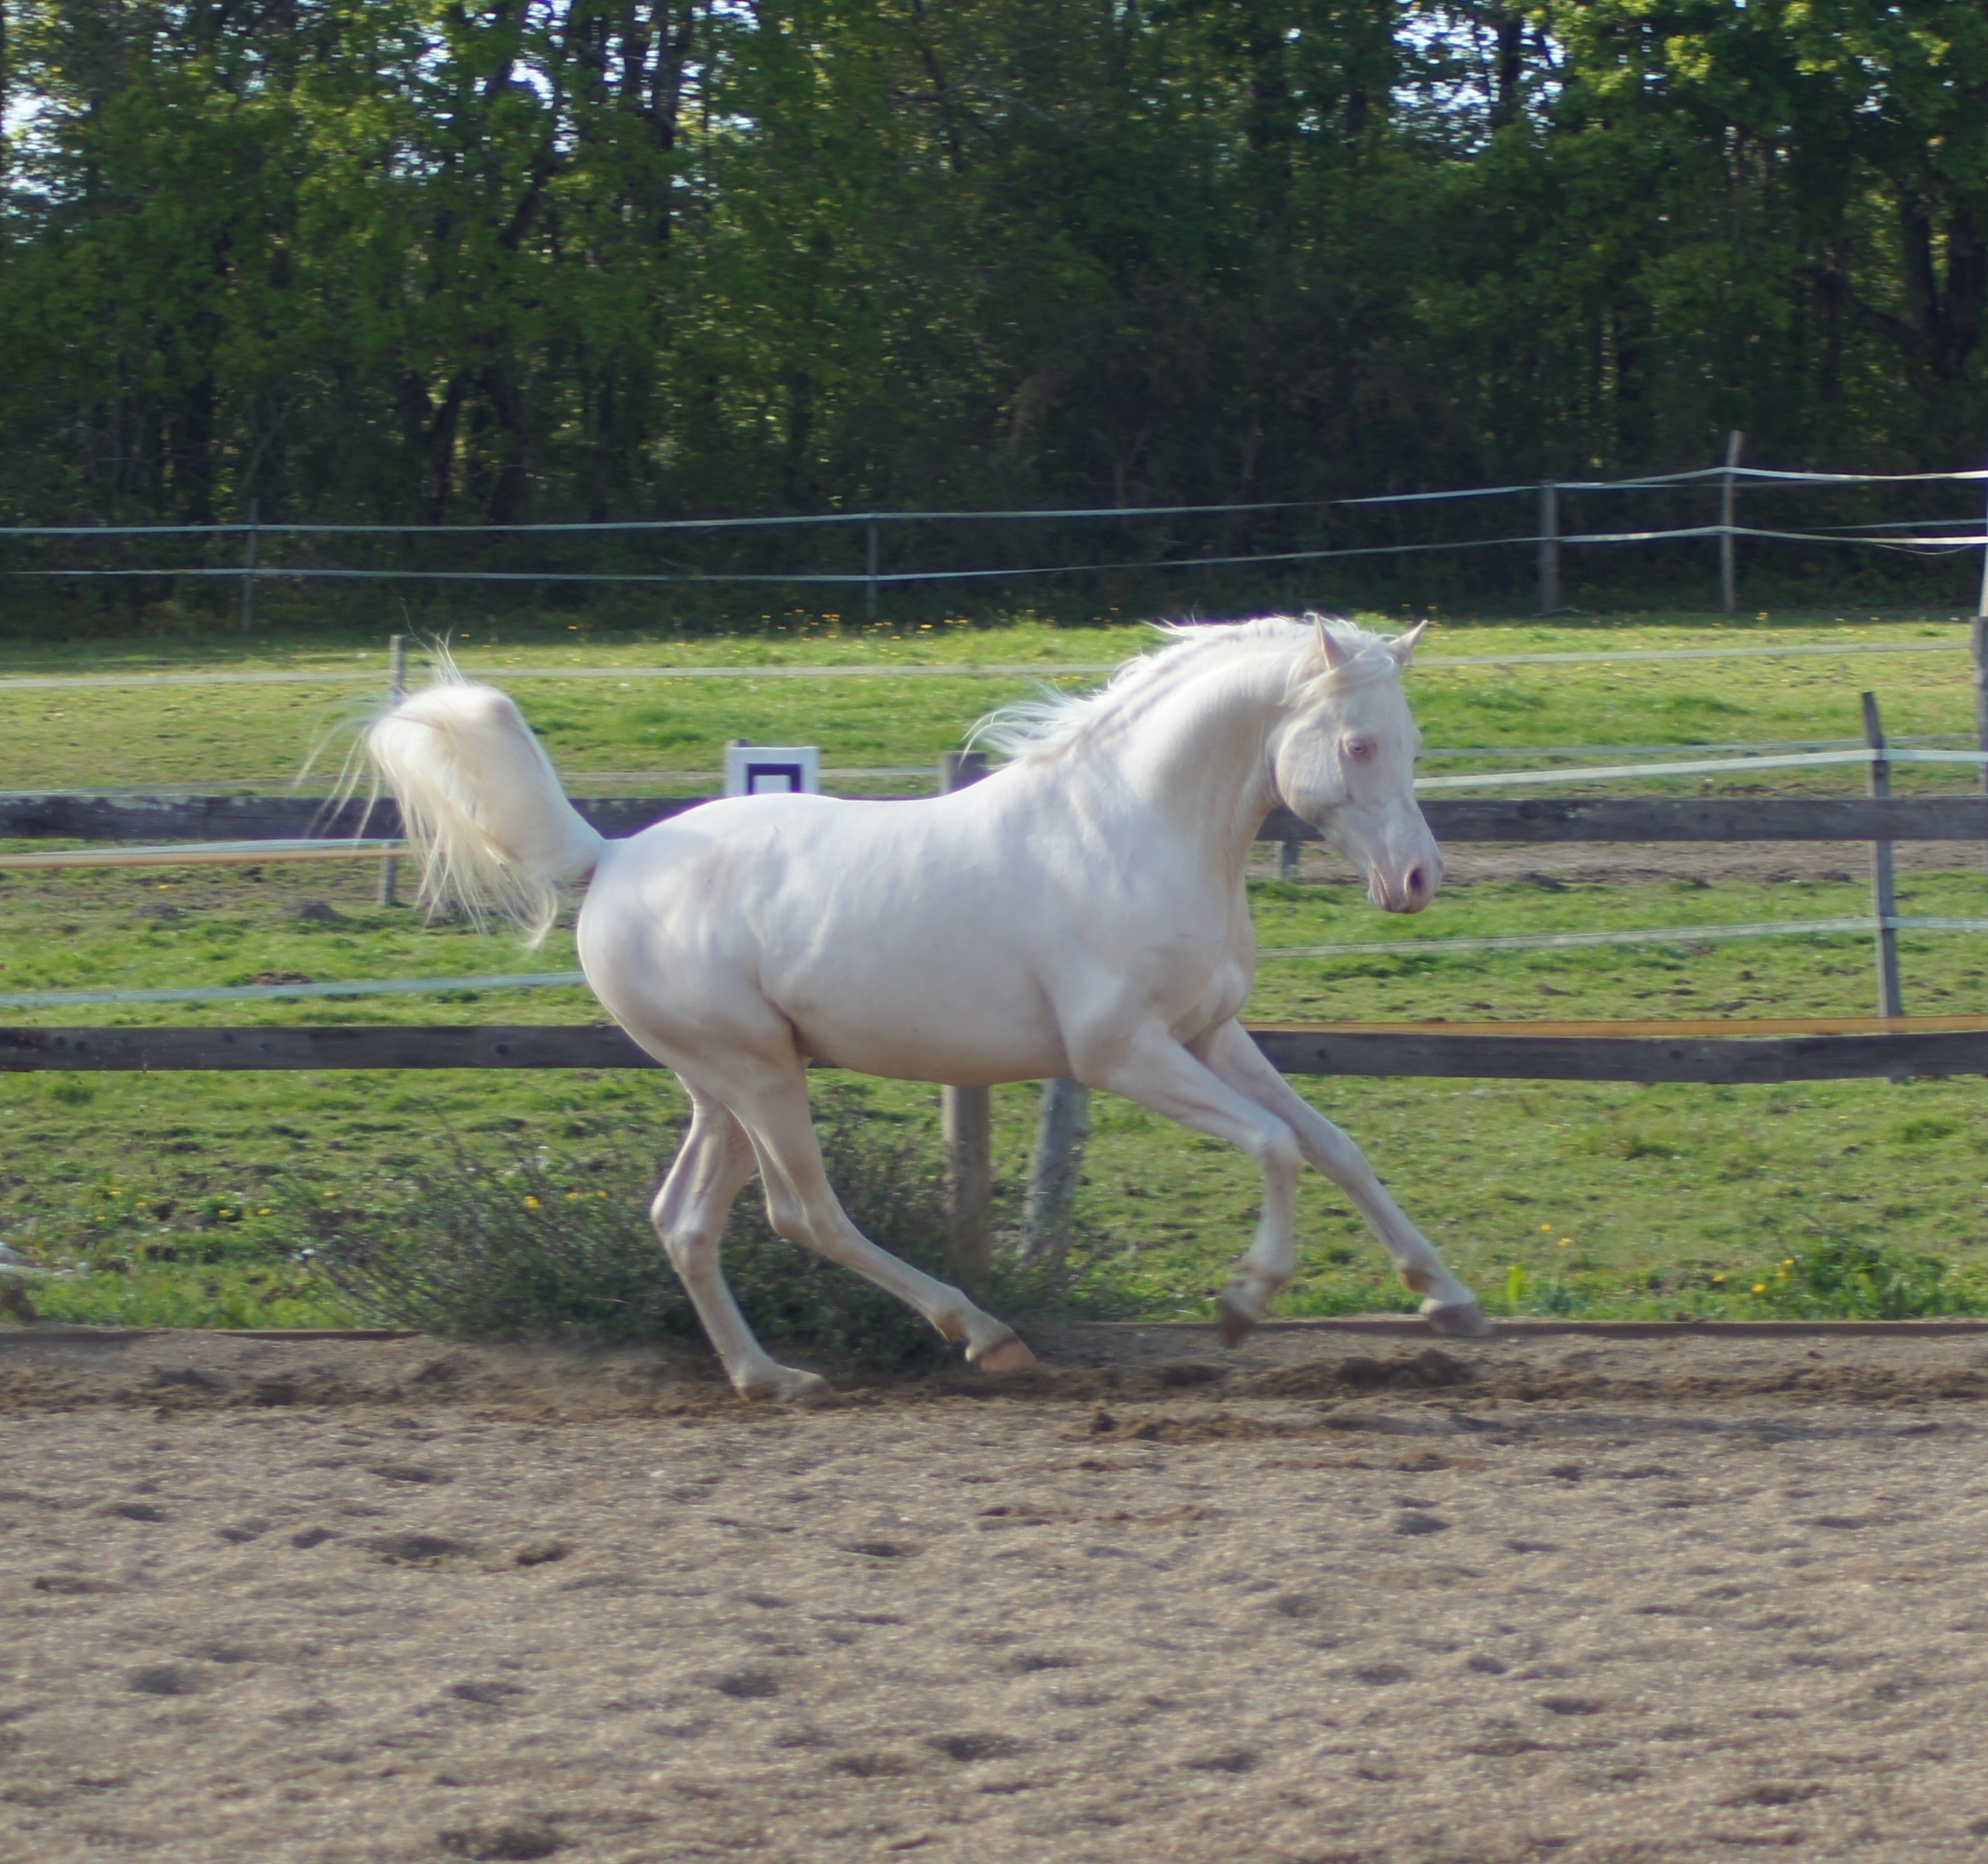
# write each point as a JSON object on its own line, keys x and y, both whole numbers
{"x": 748, "y": 1685}
{"x": 164, "y": 1679}
{"x": 965, "y": 1747}
{"x": 1412, "y": 1523}
{"x": 135, "y": 1511}
{"x": 870, "y": 1766}
{"x": 413, "y": 1549}
{"x": 528, "y": 1838}
{"x": 1237, "y": 1760}
{"x": 416, "y": 1473}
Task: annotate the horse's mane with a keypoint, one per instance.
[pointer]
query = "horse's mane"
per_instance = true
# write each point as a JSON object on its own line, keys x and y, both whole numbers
{"x": 1052, "y": 720}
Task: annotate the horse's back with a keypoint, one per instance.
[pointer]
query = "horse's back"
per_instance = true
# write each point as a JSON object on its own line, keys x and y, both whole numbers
{"x": 891, "y": 936}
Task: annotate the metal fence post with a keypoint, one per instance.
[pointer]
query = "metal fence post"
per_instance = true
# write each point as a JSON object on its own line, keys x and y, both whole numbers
{"x": 1549, "y": 547}
{"x": 1979, "y": 637}
{"x": 1728, "y": 597}
{"x": 1981, "y": 601}
{"x": 396, "y": 691}
{"x": 967, "y": 1117}
{"x": 1978, "y": 634}
{"x": 248, "y": 567}
{"x": 1054, "y": 1170}
{"x": 870, "y": 585}
{"x": 1891, "y": 1001}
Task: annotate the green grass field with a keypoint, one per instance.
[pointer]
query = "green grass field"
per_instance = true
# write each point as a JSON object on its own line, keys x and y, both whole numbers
{"x": 169, "y": 1198}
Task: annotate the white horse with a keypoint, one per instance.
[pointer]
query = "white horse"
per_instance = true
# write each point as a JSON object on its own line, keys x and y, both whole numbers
{"x": 1081, "y": 911}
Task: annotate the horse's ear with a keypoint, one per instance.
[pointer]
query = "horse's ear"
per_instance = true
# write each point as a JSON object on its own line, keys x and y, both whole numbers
{"x": 1403, "y": 646}
{"x": 1335, "y": 652}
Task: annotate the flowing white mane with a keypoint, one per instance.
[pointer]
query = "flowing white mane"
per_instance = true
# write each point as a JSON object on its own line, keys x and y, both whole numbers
{"x": 1051, "y": 721}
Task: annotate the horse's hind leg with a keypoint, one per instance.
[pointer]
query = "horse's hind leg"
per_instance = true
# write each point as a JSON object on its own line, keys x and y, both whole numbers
{"x": 1447, "y": 1304}
{"x": 803, "y": 1207}
{"x": 689, "y": 1215}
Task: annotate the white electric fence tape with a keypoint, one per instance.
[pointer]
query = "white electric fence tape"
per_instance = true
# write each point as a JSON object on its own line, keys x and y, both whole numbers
{"x": 382, "y": 987}
{"x": 1673, "y": 935}
{"x": 371, "y": 675}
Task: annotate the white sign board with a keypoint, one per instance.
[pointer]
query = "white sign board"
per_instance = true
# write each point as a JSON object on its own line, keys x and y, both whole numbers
{"x": 772, "y": 770}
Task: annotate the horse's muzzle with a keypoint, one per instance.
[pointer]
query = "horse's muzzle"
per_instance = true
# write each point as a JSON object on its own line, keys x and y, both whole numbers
{"x": 1405, "y": 885}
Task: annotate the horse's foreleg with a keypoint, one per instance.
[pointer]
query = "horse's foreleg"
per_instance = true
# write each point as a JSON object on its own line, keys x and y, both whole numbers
{"x": 802, "y": 1206}
{"x": 1448, "y": 1305}
{"x": 689, "y": 1215}
{"x": 1159, "y": 1072}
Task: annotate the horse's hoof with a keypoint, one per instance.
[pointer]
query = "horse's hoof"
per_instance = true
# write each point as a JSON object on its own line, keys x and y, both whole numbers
{"x": 1235, "y": 1325}
{"x": 1462, "y": 1319}
{"x": 790, "y": 1387}
{"x": 1008, "y": 1356}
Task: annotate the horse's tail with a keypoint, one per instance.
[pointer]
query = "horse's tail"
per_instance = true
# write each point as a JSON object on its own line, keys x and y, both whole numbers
{"x": 481, "y": 804}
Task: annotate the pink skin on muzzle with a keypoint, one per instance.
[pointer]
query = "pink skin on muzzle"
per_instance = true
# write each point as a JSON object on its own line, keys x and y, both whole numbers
{"x": 1404, "y": 871}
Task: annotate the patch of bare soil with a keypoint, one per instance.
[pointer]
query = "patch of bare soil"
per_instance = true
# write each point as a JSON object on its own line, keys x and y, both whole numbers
{"x": 1331, "y": 1598}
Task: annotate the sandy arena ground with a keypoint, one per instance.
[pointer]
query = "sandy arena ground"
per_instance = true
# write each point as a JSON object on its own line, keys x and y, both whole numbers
{"x": 1332, "y": 1599}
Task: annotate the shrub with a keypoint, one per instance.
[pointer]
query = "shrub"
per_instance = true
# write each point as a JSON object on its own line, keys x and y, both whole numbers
{"x": 1843, "y": 1279}
{"x": 539, "y": 1248}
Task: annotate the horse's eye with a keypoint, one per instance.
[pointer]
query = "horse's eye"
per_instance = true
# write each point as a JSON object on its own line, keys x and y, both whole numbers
{"x": 1360, "y": 750}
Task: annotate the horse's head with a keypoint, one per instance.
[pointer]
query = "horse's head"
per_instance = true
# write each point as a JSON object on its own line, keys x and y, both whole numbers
{"x": 1343, "y": 758}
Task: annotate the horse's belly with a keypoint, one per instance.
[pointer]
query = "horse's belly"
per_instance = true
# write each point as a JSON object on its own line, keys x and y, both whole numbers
{"x": 963, "y": 1036}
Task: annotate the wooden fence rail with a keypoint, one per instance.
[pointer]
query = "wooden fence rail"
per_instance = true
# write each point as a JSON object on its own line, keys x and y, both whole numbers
{"x": 1533, "y": 818}
{"x": 1735, "y": 1059}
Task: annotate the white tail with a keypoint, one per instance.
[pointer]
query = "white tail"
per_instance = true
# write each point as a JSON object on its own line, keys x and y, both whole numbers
{"x": 481, "y": 804}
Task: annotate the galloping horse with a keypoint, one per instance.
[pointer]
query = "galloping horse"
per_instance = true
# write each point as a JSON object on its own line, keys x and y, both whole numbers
{"x": 1082, "y": 911}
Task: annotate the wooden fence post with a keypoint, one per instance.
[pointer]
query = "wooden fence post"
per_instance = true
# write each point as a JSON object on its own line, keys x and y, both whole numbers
{"x": 1891, "y": 1001}
{"x": 396, "y": 691}
{"x": 1728, "y": 596}
{"x": 967, "y": 1117}
{"x": 1055, "y": 1168}
{"x": 1549, "y": 547}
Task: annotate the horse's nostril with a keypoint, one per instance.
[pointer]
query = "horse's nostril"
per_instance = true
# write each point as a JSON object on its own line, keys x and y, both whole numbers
{"x": 1417, "y": 883}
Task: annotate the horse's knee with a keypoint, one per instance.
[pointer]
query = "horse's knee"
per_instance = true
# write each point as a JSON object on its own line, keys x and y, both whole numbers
{"x": 689, "y": 1246}
{"x": 789, "y": 1217}
{"x": 1278, "y": 1153}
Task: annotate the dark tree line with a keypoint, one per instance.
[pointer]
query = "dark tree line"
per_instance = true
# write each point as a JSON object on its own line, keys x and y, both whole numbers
{"x": 378, "y": 259}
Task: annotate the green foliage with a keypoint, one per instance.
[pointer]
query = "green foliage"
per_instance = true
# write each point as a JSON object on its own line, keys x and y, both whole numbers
{"x": 1670, "y": 1200}
{"x": 543, "y": 1247}
{"x": 395, "y": 260}
{"x": 1845, "y": 1278}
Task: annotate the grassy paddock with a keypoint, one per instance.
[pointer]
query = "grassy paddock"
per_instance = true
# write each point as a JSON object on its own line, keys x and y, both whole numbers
{"x": 173, "y": 1198}
{"x": 257, "y": 735}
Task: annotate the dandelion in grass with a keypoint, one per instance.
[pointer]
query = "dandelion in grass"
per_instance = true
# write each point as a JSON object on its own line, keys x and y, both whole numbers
{"x": 1760, "y": 1288}
{"x": 1718, "y": 1281}
{"x": 532, "y": 1203}
{"x": 1566, "y": 1242}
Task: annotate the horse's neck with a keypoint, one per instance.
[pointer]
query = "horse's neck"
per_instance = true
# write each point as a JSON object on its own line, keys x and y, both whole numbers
{"x": 1197, "y": 754}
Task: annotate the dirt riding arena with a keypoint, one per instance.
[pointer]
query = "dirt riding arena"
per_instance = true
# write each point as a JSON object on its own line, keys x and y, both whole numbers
{"x": 1333, "y": 1599}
